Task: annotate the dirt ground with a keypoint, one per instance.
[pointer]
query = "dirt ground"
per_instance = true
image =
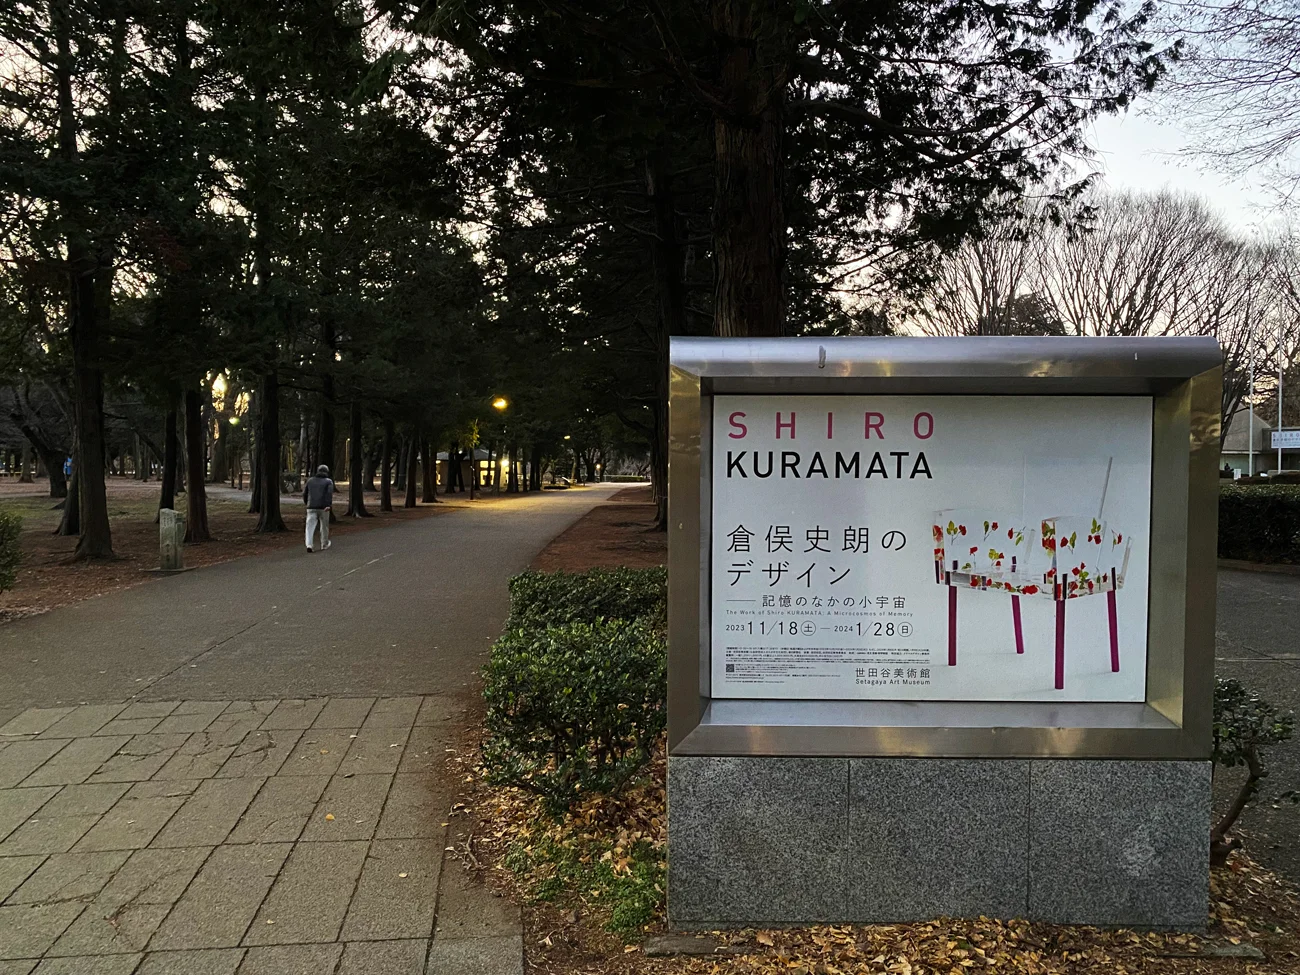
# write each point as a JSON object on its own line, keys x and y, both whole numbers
{"x": 618, "y": 533}
{"x": 47, "y": 577}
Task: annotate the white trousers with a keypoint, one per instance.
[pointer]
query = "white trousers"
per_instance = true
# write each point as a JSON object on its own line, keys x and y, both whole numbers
{"x": 315, "y": 517}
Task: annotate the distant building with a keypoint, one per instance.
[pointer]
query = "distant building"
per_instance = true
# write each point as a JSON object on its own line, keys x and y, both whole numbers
{"x": 1236, "y": 447}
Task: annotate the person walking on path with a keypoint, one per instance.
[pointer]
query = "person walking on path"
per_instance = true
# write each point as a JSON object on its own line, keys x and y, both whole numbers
{"x": 318, "y": 496}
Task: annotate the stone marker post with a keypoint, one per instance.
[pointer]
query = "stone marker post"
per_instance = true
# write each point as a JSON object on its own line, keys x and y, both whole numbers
{"x": 171, "y": 535}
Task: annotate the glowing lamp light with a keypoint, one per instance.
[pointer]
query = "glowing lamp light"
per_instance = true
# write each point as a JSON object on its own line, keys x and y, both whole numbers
{"x": 500, "y": 403}
{"x": 567, "y": 437}
{"x": 234, "y": 421}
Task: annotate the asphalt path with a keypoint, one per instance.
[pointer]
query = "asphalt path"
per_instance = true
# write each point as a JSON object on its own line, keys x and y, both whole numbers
{"x": 1258, "y": 642}
{"x": 406, "y": 610}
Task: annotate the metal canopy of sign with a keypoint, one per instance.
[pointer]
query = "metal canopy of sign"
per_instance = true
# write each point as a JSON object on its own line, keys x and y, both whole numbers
{"x": 942, "y": 547}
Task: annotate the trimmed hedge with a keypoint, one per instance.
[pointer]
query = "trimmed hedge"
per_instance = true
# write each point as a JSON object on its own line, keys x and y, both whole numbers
{"x": 540, "y": 599}
{"x": 574, "y": 709}
{"x": 10, "y": 555}
{"x": 1259, "y": 523}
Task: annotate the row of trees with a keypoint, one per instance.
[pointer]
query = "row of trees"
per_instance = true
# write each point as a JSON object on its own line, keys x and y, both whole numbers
{"x": 380, "y": 214}
{"x": 1126, "y": 264}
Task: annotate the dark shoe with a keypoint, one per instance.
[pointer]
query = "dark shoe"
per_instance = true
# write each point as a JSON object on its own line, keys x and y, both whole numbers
{"x": 308, "y": 548}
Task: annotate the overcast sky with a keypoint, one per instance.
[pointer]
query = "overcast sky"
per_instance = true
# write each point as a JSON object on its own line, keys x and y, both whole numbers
{"x": 1140, "y": 151}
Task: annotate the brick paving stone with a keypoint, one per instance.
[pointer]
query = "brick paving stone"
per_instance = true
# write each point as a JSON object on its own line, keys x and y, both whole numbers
{"x": 85, "y": 799}
{"x": 20, "y": 759}
{"x": 467, "y": 909}
{"x": 201, "y": 757}
{"x": 417, "y": 806}
{"x": 210, "y": 814}
{"x": 203, "y": 961}
{"x": 238, "y": 720}
{"x": 281, "y": 809}
{"x": 503, "y": 955}
{"x": 15, "y": 870}
{"x": 89, "y": 965}
{"x": 318, "y": 752}
{"x": 131, "y": 824}
{"x": 191, "y": 716}
{"x": 291, "y": 960}
{"x": 384, "y": 958}
{"x": 344, "y": 712}
{"x": 27, "y": 931}
{"x": 294, "y": 715}
{"x": 397, "y": 894}
{"x": 69, "y": 876}
{"x": 355, "y": 803}
{"x": 427, "y": 751}
{"x": 216, "y": 909}
{"x": 436, "y": 710}
{"x": 129, "y": 909}
{"x": 148, "y": 709}
{"x": 310, "y": 897}
{"x": 75, "y": 763}
{"x": 165, "y": 789}
{"x": 140, "y": 758}
{"x": 129, "y": 726}
{"x": 63, "y": 820}
{"x": 17, "y": 805}
{"x": 393, "y": 712}
{"x": 261, "y": 753}
{"x": 375, "y": 751}
{"x": 32, "y": 721}
{"x": 83, "y": 720}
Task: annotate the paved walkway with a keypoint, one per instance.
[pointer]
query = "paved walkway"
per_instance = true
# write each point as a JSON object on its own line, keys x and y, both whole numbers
{"x": 242, "y": 769}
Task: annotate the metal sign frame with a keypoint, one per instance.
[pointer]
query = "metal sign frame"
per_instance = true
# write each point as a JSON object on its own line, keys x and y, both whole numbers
{"x": 1183, "y": 376}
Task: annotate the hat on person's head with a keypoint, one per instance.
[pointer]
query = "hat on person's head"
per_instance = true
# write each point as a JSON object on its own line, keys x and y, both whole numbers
{"x": 323, "y": 470}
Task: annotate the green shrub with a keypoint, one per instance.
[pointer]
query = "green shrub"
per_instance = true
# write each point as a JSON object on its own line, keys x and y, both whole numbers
{"x": 10, "y": 554}
{"x": 574, "y": 709}
{"x": 1259, "y": 523}
{"x": 1244, "y": 728}
{"x": 539, "y": 599}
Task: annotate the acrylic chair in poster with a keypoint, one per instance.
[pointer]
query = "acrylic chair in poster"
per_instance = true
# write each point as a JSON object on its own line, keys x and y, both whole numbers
{"x": 1076, "y": 556}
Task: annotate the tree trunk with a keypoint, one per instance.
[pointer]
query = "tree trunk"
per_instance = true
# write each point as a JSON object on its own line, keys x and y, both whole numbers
{"x": 512, "y": 475}
{"x": 25, "y": 465}
{"x": 370, "y": 462}
{"x": 356, "y": 479}
{"x": 51, "y": 460}
{"x": 96, "y": 539}
{"x": 221, "y": 453}
{"x": 196, "y": 496}
{"x": 386, "y": 472}
{"x": 412, "y": 463}
{"x": 430, "y": 481}
{"x": 167, "y": 496}
{"x": 70, "y": 523}
{"x": 535, "y": 474}
{"x": 268, "y": 444}
{"x": 749, "y": 231}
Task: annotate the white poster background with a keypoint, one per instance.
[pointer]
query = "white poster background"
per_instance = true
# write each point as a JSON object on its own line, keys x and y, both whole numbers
{"x": 1022, "y": 458}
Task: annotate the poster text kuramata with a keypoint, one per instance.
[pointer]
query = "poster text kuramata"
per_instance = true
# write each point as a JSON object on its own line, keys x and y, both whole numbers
{"x": 963, "y": 548}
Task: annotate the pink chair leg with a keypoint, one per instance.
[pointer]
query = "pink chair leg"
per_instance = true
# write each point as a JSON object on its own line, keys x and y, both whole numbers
{"x": 1114, "y": 632}
{"x": 1015, "y": 617}
{"x": 1060, "y": 644}
{"x": 952, "y": 626}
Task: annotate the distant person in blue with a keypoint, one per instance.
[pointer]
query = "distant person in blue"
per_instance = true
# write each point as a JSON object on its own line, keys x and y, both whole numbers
{"x": 319, "y": 496}
{"x": 67, "y": 467}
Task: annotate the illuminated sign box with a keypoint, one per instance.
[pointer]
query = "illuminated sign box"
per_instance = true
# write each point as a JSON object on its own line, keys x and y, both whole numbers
{"x": 998, "y": 554}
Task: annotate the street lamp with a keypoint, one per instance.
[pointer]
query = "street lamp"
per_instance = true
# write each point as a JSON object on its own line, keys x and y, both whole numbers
{"x": 500, "y": 403}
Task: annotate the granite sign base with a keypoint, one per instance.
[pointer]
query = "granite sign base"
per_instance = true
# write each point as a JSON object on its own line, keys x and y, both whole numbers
{"x": 764, "y": 842}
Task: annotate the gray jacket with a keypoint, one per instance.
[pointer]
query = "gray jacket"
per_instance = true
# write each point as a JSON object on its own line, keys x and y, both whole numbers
{"x": 319, "y": 493}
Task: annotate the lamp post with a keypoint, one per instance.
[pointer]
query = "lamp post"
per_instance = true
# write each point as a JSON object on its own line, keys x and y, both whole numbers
{"x": 500, "y": 404}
